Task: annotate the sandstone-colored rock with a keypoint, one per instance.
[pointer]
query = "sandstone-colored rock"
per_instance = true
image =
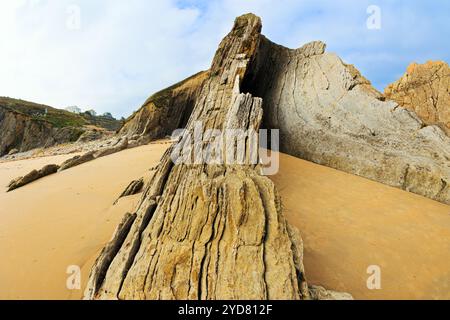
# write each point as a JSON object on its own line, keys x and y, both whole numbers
{"x": 26, "y": 125}
{"x": 204, "y": 231}
{"x": 21, "y": 132}
{"x": 134, "y": 187}
{"x": 32, "y": 176}
{"x": 166, "y": 110}
{"x": 12, "y": 152}
{"x": 425, "y": 89}
{"x": 77, "y": 160}
{"x": 120, "y": 145}
{"x": 92, "y": 135}
{"x": 320, "y": 293}
{"x": 328, "y": 114}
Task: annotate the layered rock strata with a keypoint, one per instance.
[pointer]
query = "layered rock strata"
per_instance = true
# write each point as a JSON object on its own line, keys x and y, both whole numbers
{"x": 207, "y": 231}
{"x": 425, "y": 89}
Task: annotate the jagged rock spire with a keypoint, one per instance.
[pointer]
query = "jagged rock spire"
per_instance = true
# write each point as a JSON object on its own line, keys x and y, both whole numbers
{"x": 207, "y": 231}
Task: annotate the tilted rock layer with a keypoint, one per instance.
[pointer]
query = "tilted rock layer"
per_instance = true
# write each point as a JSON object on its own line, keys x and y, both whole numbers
{"x": 425, "y": 89}
{"x": 217, "y": 231}
{"x": 207, "y": 231}
{"x": 26, "y": 125}
{"x": 166, "y": 110}
{"x": 22, "y": 133}
{"x": 329, "y": 114}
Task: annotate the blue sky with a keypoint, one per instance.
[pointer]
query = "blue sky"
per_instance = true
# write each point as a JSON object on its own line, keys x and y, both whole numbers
{"x": 110, "y": 55}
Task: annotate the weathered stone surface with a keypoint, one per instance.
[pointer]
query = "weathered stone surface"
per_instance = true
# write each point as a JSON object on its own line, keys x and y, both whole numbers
{"x": 32, "y": 176}
{"x": 327, "y": 113}
{"x": 320, "y": 293}
{"x": 133, "y": 188}
{"x": 208, "y": 231}
{"x": 12, "y": 152}
{"x": 120, "y": 145}
{"x": 26, "y": 125}
{"x": 20, "y": 132}
{"x": 166, "y": 110}
{"x": 425, "y": 89}
{"x": 77, "y": 160}
{"x": 92, "y": 135}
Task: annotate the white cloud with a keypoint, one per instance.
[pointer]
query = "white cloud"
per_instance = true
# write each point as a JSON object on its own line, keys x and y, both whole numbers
{"x": 126, "y": 50}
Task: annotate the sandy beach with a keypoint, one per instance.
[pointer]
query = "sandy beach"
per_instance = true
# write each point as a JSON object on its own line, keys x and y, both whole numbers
{"x": 348, "y": 223}
{"x": 63, "y": 220}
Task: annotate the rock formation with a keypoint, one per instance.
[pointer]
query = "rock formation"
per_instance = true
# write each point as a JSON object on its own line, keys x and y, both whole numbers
{"x": 77, "y": 160}
{"x": 22, "y": 133}
{"x": 32, "y": 176}
{"x": 25, "y": 126}
{"x": 166, "y": 110}
{"x": 425, "y": 89}
{"x": 328, "y": 113}
{"x": 118, "y": 145}
{"x": 133, "y": 188}
{"x": 217, "y": 231}
{"x": 204, "y": 231}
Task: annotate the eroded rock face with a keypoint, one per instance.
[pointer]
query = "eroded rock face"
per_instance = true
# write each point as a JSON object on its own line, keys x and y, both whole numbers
{"x": 133, "y": 188}
{"x": 329, "y": 114}
{"x": 32, "y": 176}
{"x": 166, "y": 110}
{"x": 207, "y": 231}
{"x": 425, "y": 89}
{"x": 77, "y": 160}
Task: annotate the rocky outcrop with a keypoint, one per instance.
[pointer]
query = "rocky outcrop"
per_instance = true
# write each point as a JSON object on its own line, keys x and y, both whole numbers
{"x": 32, "y": 176}
{"x": 22, "y": 133}
{"x": 166, "y": 110}
{"x": 329, "y": 114}
{"x": 425, "y": 89}
{"x": 133, "y": 188}
{"x": 77, "y": 160}
{"x": 25, "y": 126}
{"x": 120, "y": 145}
{"x": 207, "y": 231}
{"x": 320, "y": 293}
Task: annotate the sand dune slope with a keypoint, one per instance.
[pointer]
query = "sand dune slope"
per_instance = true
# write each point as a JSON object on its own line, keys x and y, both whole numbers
{"x": 63, "y": 220}
{"x": 349, "y": 223}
